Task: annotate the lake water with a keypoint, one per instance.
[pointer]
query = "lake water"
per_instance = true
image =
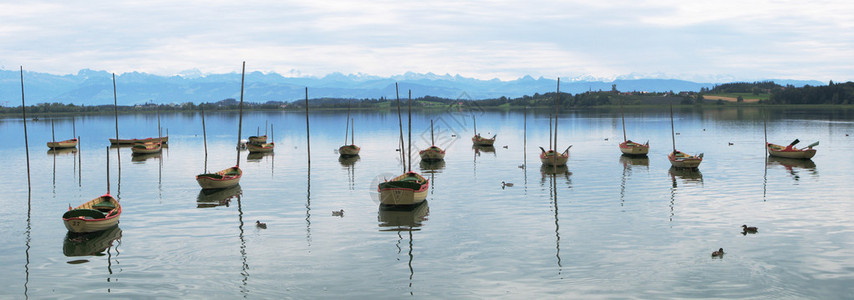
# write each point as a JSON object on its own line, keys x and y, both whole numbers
{"x": 606, "y": 227}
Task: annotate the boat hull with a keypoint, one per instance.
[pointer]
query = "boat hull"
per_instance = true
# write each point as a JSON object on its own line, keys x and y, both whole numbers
{"x": 482, "y": 141}
{"x": 260, "y": 148}
{"x": 258, "y": 139}
{"x": 780, "y": 151}
{"x": 62, "y": 144}
{"x": 147, "y": 148}
{"x": 630, "y": 148}
{"x": 681, "y": 160}
{"x": 162, "y": 140}
{"x": 550, "y": 158}
{"x": 220, "y": 180}
{"x": 400, "y": 192}
{"x": 432, "y": 154}
{"x": 349, "y": 150}
{"x": 96, "y": 215}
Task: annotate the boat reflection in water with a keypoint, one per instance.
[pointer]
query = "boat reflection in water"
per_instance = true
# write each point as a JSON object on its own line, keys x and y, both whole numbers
{"x": 257, "y": 156}
{"x": 409, "y": 219}
{"x": 396, "y": 218}
{"x": 548, "y": 171}
{"x": 139, "y": 158}
{"x": 793, "y": 165}
{"x": 686, "y": 174}
{"x": 90, "y": 244}
{"x": 483, "y": 149}
{"x": 634, "y": 160}
{"x": 435, "y": 166}
{"x": 62, "y": 151}
{"x": 348, "y": 160}
{"x": 214, "y": 198}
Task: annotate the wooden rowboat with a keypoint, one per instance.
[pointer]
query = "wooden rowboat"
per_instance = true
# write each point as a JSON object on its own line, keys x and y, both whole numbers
{"x": 98, "y": 214}
{"x": 790, "y": 152}
{"x": 407, "y": 189}
{"x": 631, "y": 148}
{"x": 552, "y": 158}
{"x": 162, "y": 140}
{"x": 258, "y": 139}
{"x": 432, "y": 153}
{"x": 62, "y": 144}
{"x": 349, "y": 150}
{"x": 223, "y": 179}
{"x": 260, "y": 148}
{"x": 146, "y": 148}
{"x": 679, "y": 159}
{"x": 478, "y": 140}
{"x": 627, "y": 146}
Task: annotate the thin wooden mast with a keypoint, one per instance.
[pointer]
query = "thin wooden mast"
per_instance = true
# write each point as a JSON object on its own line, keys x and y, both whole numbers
{"x": 205, "y": 139}
{"x": 409, "y": 148}
{"x": 159, "y": 131}
{"x": 623, "y": 117}
{"x": 73, "y": 128}
{"x": 672, "y": 129}
{"x": 352, "y": 132}
{"x": 550, "y": 134}
{"x": 26, "y": 142}
{"x": 52, "y": 135}
{"x": 240, "y": 118}
{"x": 474, "y": 122}
{"x": 108, "y": 170}
{"x": 432, "y": 140}
{"x": 307, "y": 135}
{"x": 400, "y": 126}
{"x": 347, "y": 128}
{"x": 118, "y": 153}
{"x": 557, "y": 108}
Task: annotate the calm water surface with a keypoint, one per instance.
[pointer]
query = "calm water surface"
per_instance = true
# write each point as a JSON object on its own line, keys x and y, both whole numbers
{"x": 605, "y": 227}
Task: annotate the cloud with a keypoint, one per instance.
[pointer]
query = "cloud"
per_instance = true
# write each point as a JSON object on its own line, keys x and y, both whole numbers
{"x": 483, "y": 39}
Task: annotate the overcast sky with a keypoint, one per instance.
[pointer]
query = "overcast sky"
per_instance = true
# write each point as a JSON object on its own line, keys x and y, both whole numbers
{"x": 709, "y": 41}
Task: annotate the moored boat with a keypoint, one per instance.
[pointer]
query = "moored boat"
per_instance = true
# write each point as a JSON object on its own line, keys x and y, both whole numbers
{"x": 62, "y": 144}
{"x": 680, "y": 159}
{"x": 552, "y": 158}
{"x": 161, "y": 140}
{"x": 258, "y": 139}
{"x": 432, "y": 153}
{"x": 95, "y": 215}
{"x": 479, "y": 140}
{"x": 627, "y": 146}
{"x": 631, "y": 148}
{"x": 349, "y": 150}
{"x": 409, "y": 188}
{"x": 790, "y": 151}
{"x": 146, "y": 148}
{"x": 260, "y": 148}
{"x": 223, "y": 179}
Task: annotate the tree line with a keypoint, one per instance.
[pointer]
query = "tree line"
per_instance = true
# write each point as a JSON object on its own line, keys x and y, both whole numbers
{"x": 833, "y": 93}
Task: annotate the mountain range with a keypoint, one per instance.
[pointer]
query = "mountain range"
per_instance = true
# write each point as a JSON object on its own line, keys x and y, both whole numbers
{"x": 92, "y": 87}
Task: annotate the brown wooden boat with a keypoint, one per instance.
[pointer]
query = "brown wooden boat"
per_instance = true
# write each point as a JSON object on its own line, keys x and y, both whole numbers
{"x": 98, "y": 214}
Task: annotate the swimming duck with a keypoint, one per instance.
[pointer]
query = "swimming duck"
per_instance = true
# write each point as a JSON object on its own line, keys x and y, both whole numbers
{"x": 506, "y": 184}
{"x": 505, "y": 147}
{"x": 719, "y": 253}
{"x": 522, "y": 166}
{"x": 338, "y": 213}
{"x": 747, "y": 229}
{"x": 730, "y": 143}
{"x": 260, "y": 225}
